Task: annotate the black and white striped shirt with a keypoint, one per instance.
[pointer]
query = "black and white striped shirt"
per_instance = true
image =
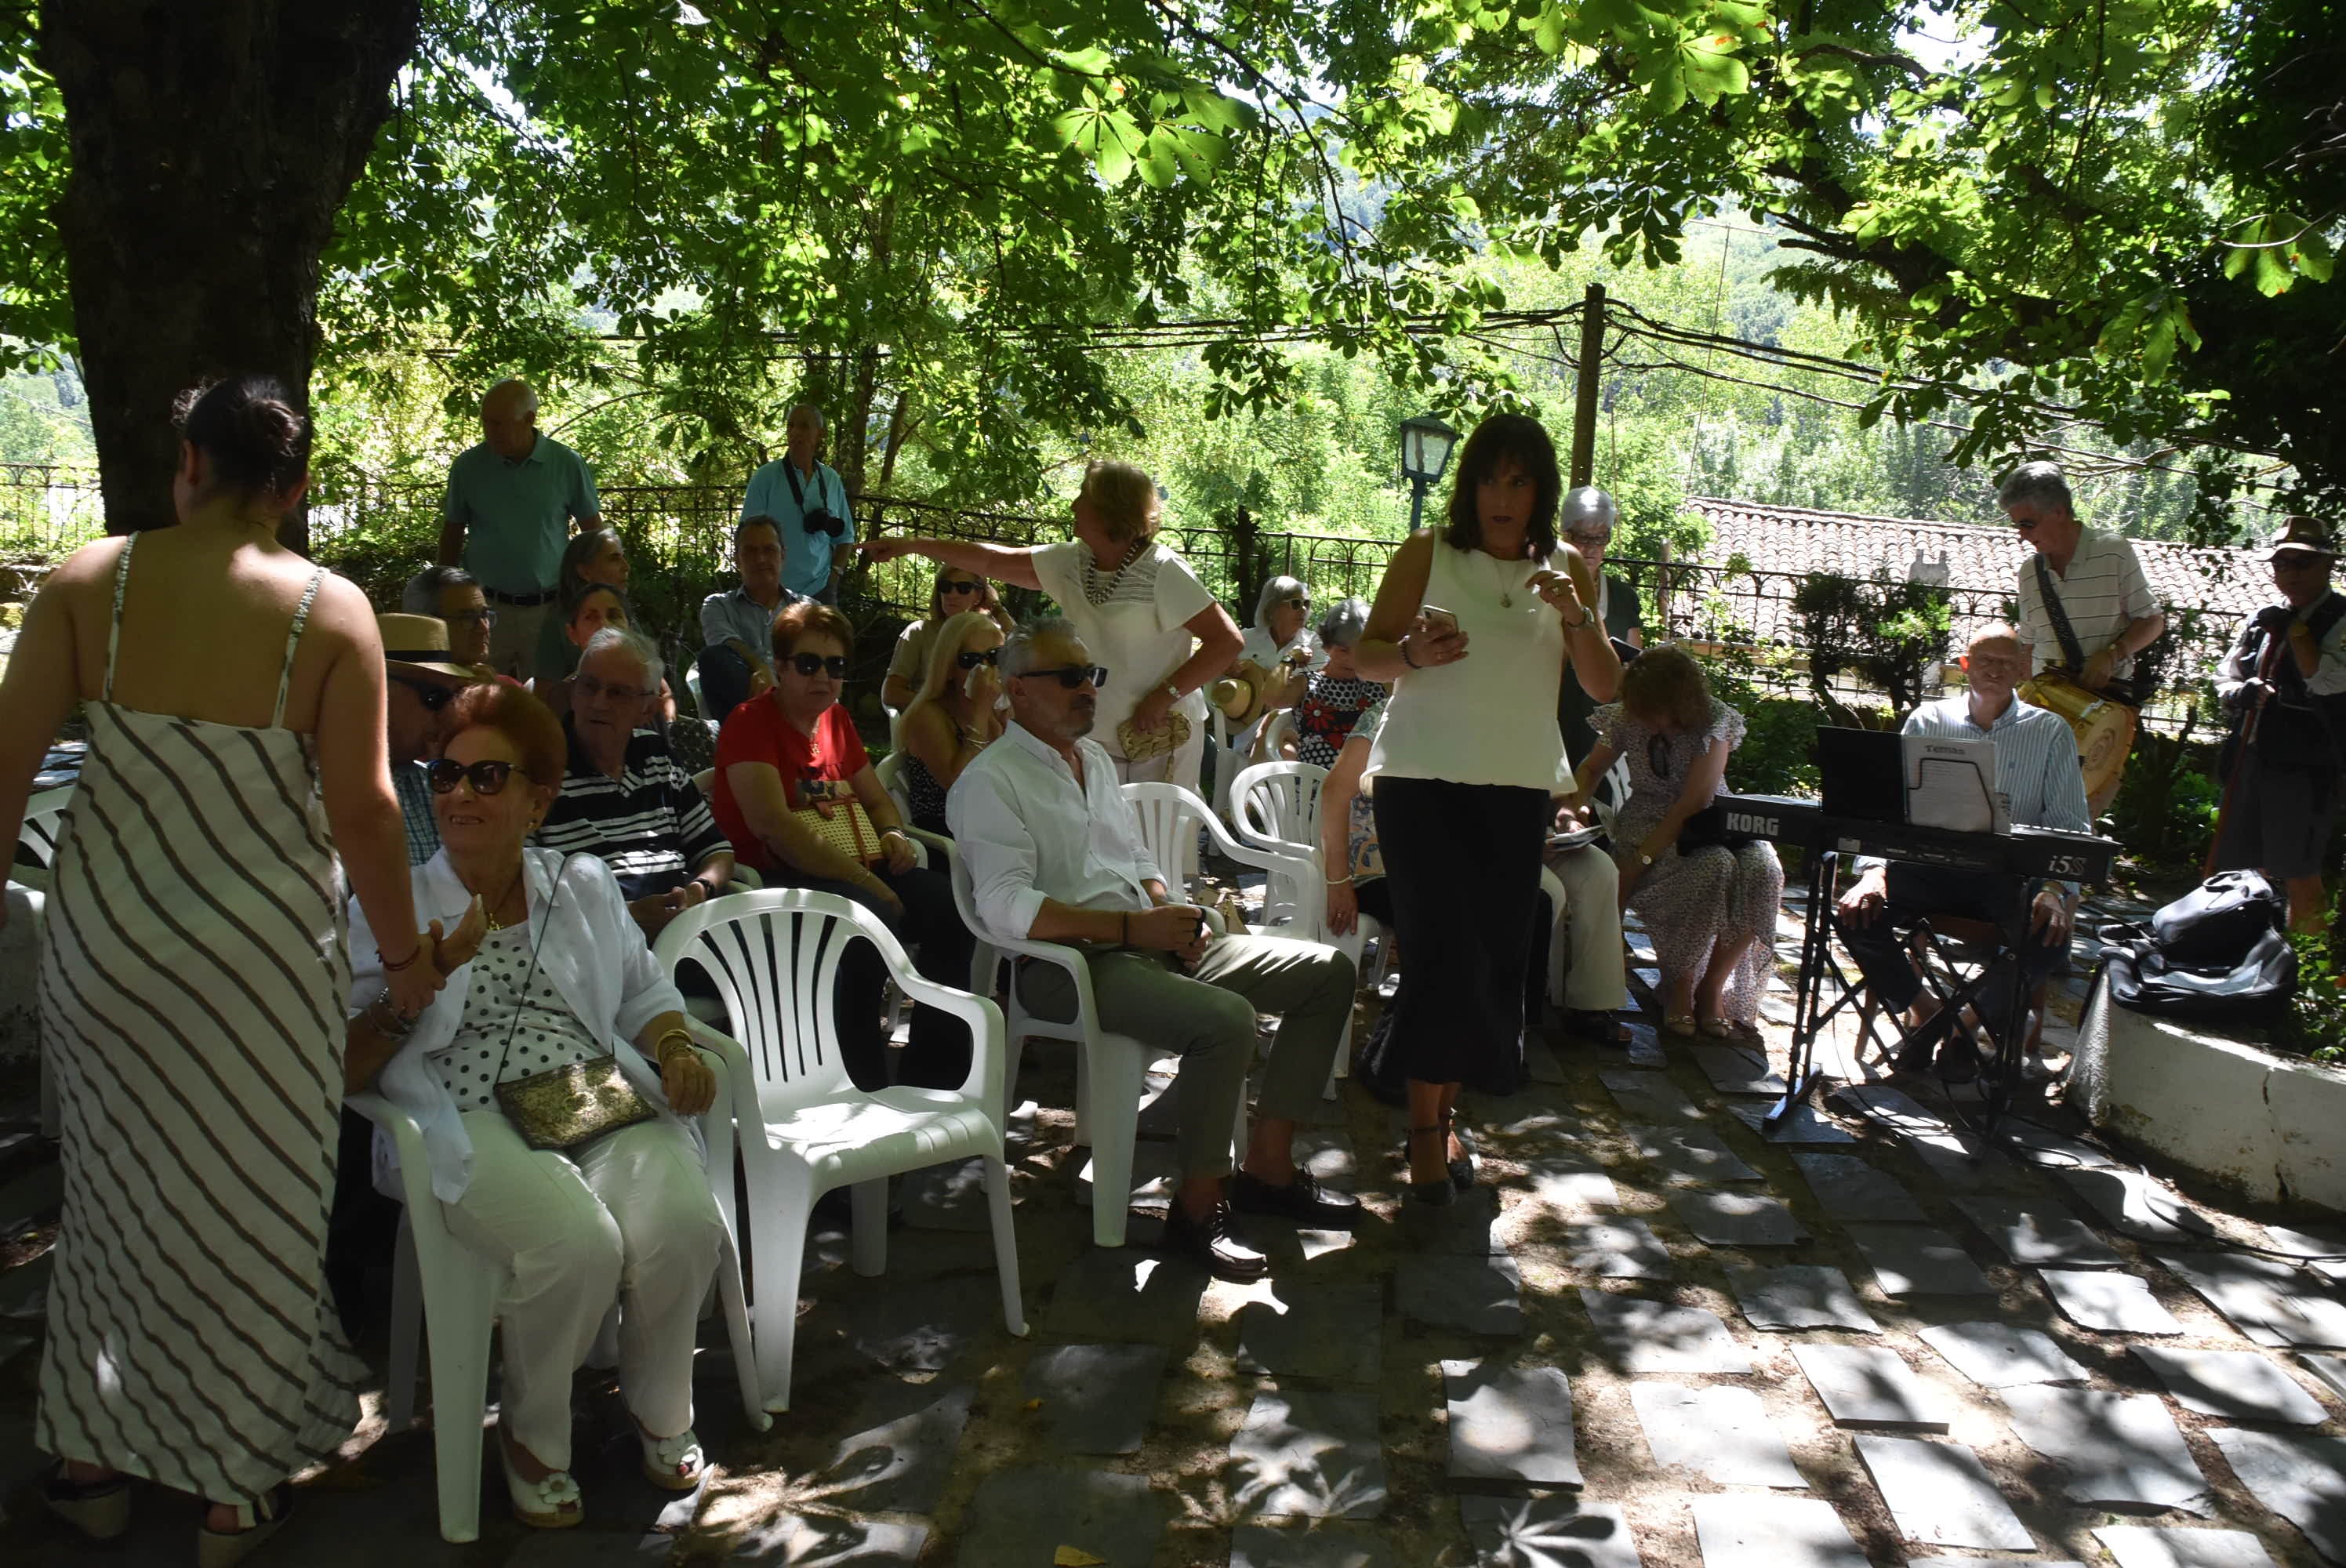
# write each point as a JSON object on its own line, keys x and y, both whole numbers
{"x": 650, "y": 825}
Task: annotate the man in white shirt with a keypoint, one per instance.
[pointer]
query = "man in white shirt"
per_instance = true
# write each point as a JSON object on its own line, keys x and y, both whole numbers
{"x": 2036, "y": 769}
{"x": 2092, "y": 578}
{"x": 2284, "y": 684}
{"x": 1055, "y": 854}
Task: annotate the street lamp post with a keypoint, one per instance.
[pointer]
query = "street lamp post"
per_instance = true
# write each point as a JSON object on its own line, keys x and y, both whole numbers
{"x": 1425, "y": 444}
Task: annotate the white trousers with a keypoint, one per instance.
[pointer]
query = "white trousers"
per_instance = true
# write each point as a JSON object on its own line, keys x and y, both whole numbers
{"x": 629, "y": 1220}
{"x": 1588, "y": 935}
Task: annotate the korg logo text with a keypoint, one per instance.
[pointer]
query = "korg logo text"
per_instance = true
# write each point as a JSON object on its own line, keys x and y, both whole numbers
{"x": 1754, "y": 823}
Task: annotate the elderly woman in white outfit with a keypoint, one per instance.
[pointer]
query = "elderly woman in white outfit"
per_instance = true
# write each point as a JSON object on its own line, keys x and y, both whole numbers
{"x": 554, "y": 971}
{"x": 1137, "y": 607}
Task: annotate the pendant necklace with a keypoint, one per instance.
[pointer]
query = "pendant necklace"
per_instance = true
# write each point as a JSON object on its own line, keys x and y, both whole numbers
{"x": 1506, "y": 594}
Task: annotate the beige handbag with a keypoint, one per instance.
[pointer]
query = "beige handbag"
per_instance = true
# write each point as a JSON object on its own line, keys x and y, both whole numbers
{"x": 846, "y": 829}
{"x": 565, "y": 1107}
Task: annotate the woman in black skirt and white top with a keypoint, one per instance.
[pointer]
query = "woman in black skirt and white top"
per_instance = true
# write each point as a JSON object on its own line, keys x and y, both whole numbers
{"x": 1475, "y": 624}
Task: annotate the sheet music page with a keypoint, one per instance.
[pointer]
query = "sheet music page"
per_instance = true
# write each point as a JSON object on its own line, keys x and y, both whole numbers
{"x": 1951, "y": 784}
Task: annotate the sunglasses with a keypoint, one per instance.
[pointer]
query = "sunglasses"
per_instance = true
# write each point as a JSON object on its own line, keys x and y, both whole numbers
{"x": 2297, "y": 561}
{"x": 1071, "y": 675}
{"x": 971, "y": 658}
{"x": 432, "y": 696}
{"x": 962, "y": 587}
{"x": 486, "y": 778}
{"x": 1598, "y": 540}
{"x": 809, "y": 664}
{"x": 589, "y": 686}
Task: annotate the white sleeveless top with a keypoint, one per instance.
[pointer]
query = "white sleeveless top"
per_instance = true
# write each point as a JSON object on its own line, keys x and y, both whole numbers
{"x": 1489, "y": 718}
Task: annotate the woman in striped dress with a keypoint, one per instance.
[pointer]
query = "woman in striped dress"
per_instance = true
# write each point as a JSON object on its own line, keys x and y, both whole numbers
{"x": 192, "y": 980}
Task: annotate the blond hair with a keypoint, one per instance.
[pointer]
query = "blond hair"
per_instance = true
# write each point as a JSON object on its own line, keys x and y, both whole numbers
{"x": 944, "y": 656}
{"x": 1125, "y": 496}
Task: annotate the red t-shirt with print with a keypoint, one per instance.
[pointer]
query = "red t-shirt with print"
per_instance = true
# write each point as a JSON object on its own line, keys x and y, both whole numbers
{"x": 757, "y": 732}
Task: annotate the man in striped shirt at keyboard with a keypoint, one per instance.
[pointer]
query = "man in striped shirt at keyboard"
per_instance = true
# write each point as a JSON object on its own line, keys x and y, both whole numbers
{"x": 2037, "y": 770}
{"x": 624, "y": 797}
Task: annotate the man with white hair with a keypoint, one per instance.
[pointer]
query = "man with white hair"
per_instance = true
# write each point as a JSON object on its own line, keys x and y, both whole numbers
{"x": 624, "y": 799}
{"x": 511, "y": 505}
{"x": 806, "y": 498}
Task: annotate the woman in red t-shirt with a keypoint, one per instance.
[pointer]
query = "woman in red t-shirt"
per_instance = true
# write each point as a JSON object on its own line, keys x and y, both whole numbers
{"x": 793, "y": 748}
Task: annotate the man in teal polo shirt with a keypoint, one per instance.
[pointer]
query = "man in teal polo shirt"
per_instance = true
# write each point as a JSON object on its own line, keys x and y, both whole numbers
{"x": 807, "y": 499}
{"x": 512, "y": 502}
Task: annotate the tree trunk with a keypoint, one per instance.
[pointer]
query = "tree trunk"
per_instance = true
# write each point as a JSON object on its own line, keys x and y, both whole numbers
{"x": 213, "y": 141}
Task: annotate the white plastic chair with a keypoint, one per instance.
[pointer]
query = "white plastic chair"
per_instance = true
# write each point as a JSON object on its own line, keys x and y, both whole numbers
{"x": 443, "y": 1290}
{"x": 804, "y": 1126}
{"x": 1170, "y": 817}
{"x": 29, "y": 899}
{"x": 1275, "y": 806}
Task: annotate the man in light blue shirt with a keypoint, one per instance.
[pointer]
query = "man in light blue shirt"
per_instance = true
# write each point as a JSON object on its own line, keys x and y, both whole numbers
{"x": 737, "y": 626}
{"x": 808, "y": 499}
{"x": 2036, "y": 769}
{"x": 511, "y": 506}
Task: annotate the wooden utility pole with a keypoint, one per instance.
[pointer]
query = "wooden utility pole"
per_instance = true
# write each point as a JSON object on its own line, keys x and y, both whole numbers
{"x": 1583, "y": 404}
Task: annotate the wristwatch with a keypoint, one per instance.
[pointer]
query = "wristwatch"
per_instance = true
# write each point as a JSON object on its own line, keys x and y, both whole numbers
{"x": 1643, "y": 859}
{"x": 1172, "y": 691}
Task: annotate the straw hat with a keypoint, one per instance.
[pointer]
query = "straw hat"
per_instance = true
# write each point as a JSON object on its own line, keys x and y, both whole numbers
{"x": 2306, "y": 534}
{"x": 418, "y": 645}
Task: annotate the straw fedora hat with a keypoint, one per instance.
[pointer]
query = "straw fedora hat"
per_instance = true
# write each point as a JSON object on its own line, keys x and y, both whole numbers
{"x": 2306, "y": 534}
{"x": 418, "y": 645}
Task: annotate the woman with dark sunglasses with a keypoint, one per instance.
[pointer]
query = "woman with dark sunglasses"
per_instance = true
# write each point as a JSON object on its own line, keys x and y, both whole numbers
{"x": 956, "y": 592}
{"x": 955, "y": 715}
{"x": 789, "y": 762}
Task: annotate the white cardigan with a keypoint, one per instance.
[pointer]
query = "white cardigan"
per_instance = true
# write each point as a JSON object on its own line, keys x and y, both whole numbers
{"x": 594, "y": 956}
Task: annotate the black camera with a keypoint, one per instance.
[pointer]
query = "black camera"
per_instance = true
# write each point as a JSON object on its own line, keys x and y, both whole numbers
{"x": 821, "y": 521}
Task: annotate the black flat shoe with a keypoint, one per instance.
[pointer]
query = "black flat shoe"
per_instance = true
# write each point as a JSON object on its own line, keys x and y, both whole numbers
{"x": 1433, "y": 1194}
{"x": 1464, "y": 1168}
{"x": 1213, "y": 1242}
{"x": 1303, "y": 1200}
{"x": 1603, "y": 1028}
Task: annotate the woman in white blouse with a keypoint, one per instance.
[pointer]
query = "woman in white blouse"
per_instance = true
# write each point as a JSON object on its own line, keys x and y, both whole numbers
{"x": 561, "y": 975}
{"x": 1136, "y": 606}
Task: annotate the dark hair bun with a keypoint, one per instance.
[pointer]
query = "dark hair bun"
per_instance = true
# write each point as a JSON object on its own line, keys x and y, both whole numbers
{"x": 249, "y": 430}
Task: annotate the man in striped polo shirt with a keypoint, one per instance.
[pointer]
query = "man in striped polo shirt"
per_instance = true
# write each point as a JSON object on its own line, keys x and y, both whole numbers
{"x": 2036, "y": 769}
{"x": 2097, "y": 581}
{"x": 624, "y": 797}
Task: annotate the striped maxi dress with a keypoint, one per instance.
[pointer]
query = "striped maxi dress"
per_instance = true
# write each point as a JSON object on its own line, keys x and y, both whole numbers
{"x": 192, "y": 991}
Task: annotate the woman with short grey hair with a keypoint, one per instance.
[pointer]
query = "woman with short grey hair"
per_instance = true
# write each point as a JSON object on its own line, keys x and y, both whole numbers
{"x": 1336, "y": 694}
{"x": 1281, "y": 629}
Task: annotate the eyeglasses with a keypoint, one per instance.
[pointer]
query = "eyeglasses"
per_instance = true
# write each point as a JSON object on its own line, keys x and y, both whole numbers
{"x": 486, "y": 778}
{"x": 810, "y": 664}
{"x": 589, "y": 686}
{"x": 484, "y": 617}
{"x": 1071, "y": 675}
{"x": 960, "y": 587}
{"x": 2299, "y": 561}
{"x": 972, "y": 657}
{"x": 432, "y": 695}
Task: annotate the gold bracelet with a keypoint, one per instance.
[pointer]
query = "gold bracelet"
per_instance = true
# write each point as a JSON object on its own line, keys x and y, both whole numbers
{"x": 660, "y": 1046}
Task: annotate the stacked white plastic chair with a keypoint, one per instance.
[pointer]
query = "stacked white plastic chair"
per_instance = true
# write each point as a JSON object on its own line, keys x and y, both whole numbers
{"x": 804, "y": 1125}
{"x": 28, "y": 898}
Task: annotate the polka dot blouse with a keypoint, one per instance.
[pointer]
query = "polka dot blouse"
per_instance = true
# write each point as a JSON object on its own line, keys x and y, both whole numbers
{"x": 544, "y": 1032}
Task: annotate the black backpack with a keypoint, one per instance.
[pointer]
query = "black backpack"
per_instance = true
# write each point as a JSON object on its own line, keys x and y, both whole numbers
{"x": 2219, "y": 953}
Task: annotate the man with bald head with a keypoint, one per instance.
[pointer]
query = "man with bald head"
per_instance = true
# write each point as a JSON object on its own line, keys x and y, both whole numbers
{"x": 804, "y": 497}
{"x": 512, "y": 504}
{"x": 2037, "y": 770}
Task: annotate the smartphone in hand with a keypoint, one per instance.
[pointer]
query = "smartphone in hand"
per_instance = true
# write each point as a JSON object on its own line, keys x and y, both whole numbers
{"x": 1439, "y": 622}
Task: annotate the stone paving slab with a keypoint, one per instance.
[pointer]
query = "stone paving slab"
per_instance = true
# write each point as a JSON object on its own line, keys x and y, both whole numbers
{"x": 1720, "y": 1432}
{"x": 1655, "y": 1337}
{"x": 1805, "y": 1125}
{"x": 1022, "y": 1516}
{"x": 1746, "y": 1531}
{"x": 1940, "y": 1494}
{"x": 1985, "y": 1562}
{"x": 1648, "y": 1097}
{"x": 806, "y": 1539}
{"x": 1617, "y": 1249}
{"x": 1321, "y": 1544}
{"x": 1333, "y": 1333}
{"x": 1559, "y": 1532}
{"x": 2324, "y": 1252}
{"x": 2002, "y": 1355}
{"x": 1918, "y": 1260}
{"x": 1738, "y": 1070}
{"x": 2241, "y": 1384}
{"x": 1156, "y": 1172}
{"x": 1737, "y": 1218}
{"x": 1799, "y": 1295}
{"x": 1872, "y": 1386}
{"x": 2329, "y": 1369}
{"x": 2041, "y": 1146}
{"x": 2301, "y": 1477}
{"x": 2111, "y": 1302}
{"x": 1481, "y": 1296}
{"x": 1120, "y": 1293}
{"x": 1849, "y": 1187}
{"x": 1689, "y": 1153}
{"x": 2266, "y": 1299}
{"x": 948, "y": 1197}
{"x": 1307, "y": 1453}
{"x": 2117, "y": 1449}
{"x": 902, "y": 1454}
{"x": 1095, "y": 1399}
{"x": 1956, "y": 1160}
{"x": 1510, "y": 1424}
{"x": 2133, "y": 1204}
{"x": 1463, "y": 1229}
{"x": 1572, "y": 1183}
{"x": 2034, "y": 1238}
{"x": 2159, "y": 1546}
